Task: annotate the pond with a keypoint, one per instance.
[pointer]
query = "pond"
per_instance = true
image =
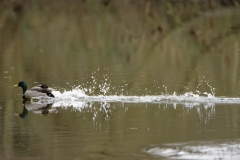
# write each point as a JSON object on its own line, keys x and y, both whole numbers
{"x": 121, "y": 91}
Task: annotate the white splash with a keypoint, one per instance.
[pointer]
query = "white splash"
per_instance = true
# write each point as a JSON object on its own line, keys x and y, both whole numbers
{"x": 102, "y": 91}
{"x": 77, "y": 97}
{"x": 197, "y": 150}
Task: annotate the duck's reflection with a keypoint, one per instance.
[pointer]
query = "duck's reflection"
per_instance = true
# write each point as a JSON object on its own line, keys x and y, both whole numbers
{"x": 37, "y": 108}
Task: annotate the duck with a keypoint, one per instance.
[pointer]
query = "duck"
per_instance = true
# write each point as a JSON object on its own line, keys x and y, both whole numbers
{"x": 37, "y": 91}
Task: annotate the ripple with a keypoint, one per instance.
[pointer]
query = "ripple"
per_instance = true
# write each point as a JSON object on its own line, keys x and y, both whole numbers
{"x": 197, "y": 150}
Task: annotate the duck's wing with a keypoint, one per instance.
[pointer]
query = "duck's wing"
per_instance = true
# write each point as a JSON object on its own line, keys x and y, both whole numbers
{"x": 39, "y": 91}
{"x": 42, "y": 88}
{"x": 32, "y": 93}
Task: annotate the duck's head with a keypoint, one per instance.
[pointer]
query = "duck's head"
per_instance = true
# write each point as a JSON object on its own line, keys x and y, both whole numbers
{"x": 23, "y": 85}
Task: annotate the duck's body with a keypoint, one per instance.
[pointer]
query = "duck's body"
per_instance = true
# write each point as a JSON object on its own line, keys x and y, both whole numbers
{"x": 37, "y": 91}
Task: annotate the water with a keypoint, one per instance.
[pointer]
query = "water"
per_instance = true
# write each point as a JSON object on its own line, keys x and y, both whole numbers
{"x": 174, "y": 126}
{"x": 198, "y": 150}
{"x": 122, "y": 91}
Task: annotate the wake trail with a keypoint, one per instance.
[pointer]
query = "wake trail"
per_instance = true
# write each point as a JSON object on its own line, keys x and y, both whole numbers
{"x": 77, "y": 97}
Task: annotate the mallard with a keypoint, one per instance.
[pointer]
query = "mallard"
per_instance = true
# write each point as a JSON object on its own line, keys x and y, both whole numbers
{"x": 37, "y": 91}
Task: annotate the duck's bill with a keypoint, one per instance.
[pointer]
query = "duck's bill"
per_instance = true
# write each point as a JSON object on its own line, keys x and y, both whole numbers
{"x": 15, "y": 85}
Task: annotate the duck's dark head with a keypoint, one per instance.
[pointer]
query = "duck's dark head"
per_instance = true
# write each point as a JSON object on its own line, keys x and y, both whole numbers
{"x": 23, "y": 85}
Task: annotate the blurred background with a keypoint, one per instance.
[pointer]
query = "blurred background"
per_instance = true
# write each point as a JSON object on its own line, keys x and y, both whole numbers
{"x": 141, "y": 44}
{"x": 117, "y": 47}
